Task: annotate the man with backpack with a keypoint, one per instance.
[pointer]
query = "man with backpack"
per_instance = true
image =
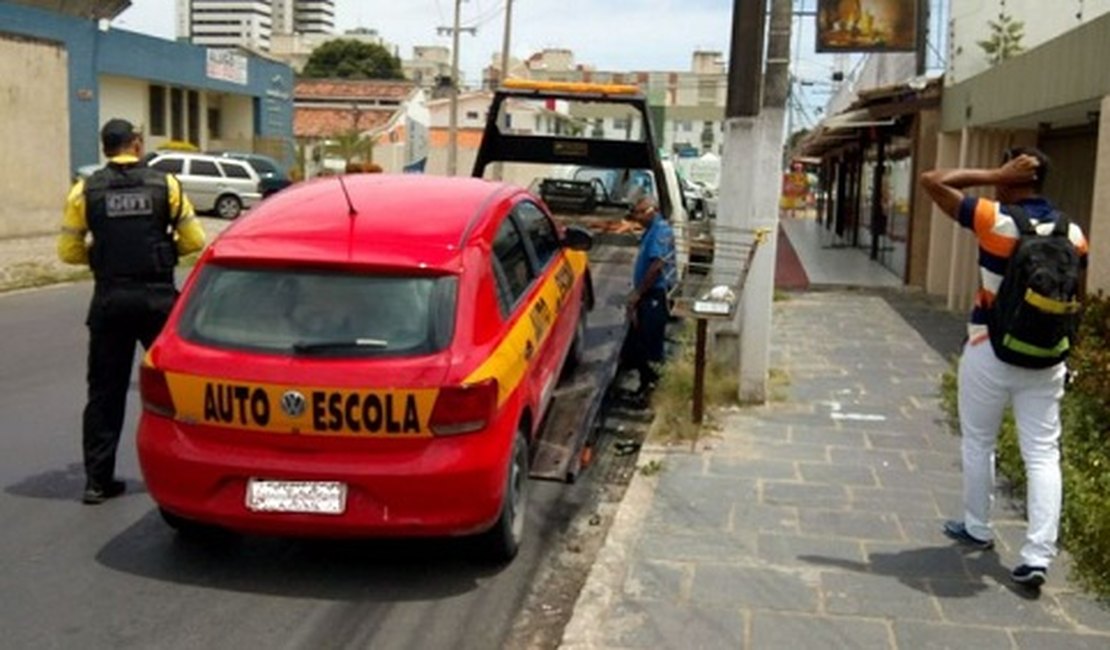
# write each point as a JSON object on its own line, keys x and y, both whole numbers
{"x": 1024, "y": 320}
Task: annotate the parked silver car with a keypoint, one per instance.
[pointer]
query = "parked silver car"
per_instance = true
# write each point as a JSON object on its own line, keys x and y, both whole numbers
{"x": 213, "y": 184}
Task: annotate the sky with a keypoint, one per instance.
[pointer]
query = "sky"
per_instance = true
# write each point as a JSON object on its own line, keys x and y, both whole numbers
{"x": 615, "y": 35}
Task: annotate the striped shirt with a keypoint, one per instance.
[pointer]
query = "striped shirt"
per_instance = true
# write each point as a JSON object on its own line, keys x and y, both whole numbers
{"x": 998, "y": 235}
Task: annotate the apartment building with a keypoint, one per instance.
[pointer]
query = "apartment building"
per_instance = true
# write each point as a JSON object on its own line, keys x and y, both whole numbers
{"x": 687, "y": 107}
{"x": 251, "y": 24}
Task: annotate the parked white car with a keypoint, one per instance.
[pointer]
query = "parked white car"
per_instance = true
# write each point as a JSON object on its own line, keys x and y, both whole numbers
{"x": 213, "y": 184}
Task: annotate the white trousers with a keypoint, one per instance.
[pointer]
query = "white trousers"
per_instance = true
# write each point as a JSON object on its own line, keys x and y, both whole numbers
{"x": 986, "y": 386}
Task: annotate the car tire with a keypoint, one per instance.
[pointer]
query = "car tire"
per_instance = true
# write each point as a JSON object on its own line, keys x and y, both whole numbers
{"x": 501, "y": 543}
{"x": 228, "y": 206}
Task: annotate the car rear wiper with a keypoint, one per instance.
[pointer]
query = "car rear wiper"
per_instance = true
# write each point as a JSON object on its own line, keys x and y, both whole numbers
{"x": 342, "y": 344}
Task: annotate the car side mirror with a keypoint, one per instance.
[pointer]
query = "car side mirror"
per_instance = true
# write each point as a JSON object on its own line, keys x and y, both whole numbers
{"x": 578, "y": 238}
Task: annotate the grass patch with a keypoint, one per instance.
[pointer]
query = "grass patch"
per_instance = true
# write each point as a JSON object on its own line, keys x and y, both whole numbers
{"x": 778, "y": 384}
{"x": 651, "y": 468}
{"x": 1085, "y": 449}
{"x": 29, "y": 275}
{"x": 674, "y": 396}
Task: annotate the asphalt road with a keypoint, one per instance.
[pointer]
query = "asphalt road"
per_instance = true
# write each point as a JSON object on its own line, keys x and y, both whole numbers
{"x": 114, "y": 576}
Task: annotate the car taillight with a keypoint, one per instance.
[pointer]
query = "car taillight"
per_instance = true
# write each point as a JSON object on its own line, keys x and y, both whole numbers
{"x": 155, "y": 391}
{"x": 464, "y": 409}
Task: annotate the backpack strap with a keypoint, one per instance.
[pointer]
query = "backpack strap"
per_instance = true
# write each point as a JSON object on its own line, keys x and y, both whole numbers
{"x": 1063, "y": 226}
{"x": 1021, "y": 219}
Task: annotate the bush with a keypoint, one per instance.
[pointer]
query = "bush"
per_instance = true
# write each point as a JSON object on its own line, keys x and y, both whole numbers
{"x": 1085, "y": 448}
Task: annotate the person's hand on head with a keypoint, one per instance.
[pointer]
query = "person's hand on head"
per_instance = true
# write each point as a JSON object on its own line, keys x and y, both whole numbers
{"x": 1019, "y": 170}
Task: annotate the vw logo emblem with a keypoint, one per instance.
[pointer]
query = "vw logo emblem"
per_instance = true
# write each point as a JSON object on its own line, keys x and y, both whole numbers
{"x": 292, "y": 403}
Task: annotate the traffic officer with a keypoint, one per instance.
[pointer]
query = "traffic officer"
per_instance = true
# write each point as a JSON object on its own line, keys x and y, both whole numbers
{"x": 140, "y": 222}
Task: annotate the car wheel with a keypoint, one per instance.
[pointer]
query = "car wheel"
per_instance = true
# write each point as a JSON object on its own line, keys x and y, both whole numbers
{"x": 501, "y": 542}
{"x": 228, "y": 206}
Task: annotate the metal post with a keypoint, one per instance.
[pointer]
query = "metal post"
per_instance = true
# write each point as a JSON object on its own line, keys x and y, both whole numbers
{"x": 453, "y": 123}
{"x": 699, "y": 372}
{"x": 878, "y": 220}
{"x": 922, "y": 44}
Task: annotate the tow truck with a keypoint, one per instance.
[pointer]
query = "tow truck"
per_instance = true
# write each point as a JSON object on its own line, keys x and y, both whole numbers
{"x": 586, "y": 179}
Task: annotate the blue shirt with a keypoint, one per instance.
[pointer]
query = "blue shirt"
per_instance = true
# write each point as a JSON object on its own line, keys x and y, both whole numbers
{"x": 657, "y": 243}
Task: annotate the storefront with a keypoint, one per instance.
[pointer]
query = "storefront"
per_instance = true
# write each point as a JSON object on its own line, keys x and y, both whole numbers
{"x": 869, "y": 159}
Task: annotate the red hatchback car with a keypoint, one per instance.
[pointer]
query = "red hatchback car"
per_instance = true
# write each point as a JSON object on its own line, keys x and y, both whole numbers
{"x": 368, "y": 355}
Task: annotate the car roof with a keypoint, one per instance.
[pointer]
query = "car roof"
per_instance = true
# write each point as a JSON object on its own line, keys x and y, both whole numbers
{"x": 401, "y": 221}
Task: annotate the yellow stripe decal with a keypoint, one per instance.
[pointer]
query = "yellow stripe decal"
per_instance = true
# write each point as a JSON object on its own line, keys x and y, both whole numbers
{"x": 277, "y": 408}
{"x": 513, "y": 356}
{"x": 1050, "y": 305}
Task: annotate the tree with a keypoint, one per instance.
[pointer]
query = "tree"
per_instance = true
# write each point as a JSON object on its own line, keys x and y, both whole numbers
{"x": 1005, "y": 39}
{"x": 351, "y": 146}
{"x": 346, "y": 58}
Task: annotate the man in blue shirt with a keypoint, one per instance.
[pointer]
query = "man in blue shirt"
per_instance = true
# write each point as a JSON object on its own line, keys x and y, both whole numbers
{"x": 648, "y": 309}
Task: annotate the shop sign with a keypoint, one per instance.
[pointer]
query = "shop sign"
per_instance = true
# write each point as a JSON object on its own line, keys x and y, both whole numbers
{"x": 866, "y": 25}
{"x": 227, "y": 65}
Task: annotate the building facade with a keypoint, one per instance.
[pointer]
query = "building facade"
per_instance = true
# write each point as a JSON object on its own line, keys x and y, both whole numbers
{"x": 687, "y": 107}
{"x": 1052, "y": 92}
{"x": 1055, "y": 95}
{"x": 65, "y": 76}
{"x": 251, "y": 24}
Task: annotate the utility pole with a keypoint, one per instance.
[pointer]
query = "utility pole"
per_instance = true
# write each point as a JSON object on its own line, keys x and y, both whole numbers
{"x": 497, "y": 170}
{"x": 751, "y": 176}
{"x": 745, "y": 66}
{"x": 453, "y": 118}
{"x": 505, "y": 40}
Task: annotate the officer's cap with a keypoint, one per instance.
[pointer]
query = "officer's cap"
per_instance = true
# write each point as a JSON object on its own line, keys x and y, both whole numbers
{"x": 117, "y": 133}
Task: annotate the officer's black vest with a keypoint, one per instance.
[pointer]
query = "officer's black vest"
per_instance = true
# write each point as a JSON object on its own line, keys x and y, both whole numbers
{"x": 128, "y": 212}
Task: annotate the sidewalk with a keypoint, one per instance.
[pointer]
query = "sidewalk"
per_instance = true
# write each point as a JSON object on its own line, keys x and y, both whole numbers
{"x": 824, "y": 265}
{"x": 23, "y": 258}
{"x": 815, "y": 522}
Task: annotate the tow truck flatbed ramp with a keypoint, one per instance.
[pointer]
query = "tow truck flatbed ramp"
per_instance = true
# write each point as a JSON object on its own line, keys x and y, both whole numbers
{"x": 575, "y": 407}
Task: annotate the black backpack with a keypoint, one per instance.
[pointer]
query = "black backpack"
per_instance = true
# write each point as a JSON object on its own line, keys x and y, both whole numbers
{"x": 1036, "y": 312}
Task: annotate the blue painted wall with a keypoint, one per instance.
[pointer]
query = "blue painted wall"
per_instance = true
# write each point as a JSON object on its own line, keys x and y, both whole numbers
{"x": 92, "y": 53}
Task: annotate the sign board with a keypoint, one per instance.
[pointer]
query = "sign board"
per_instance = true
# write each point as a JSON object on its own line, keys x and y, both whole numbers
{"x": 227, "y": 65}
{"x": 866, "y": 25}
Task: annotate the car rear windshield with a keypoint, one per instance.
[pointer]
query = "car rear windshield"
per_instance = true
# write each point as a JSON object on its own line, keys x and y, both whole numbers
{"x": 310, "y": 312}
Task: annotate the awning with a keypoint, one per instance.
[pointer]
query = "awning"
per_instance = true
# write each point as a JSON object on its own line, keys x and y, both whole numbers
{"x": 858, "y": 118}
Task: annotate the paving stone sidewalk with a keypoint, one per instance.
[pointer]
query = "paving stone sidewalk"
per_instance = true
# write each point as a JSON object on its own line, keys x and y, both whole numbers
{"x": 815, "y": 522}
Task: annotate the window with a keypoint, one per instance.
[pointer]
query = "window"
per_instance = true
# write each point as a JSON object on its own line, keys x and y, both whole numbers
{"x": 472, "y": 115}
{"x": 234, "y": 170}
{"x": 539, "y": 230}
{"x": 343, "y": 314}
{"x": 198, "y": 167}
{"x": 621, "y": 123}
{"x": 510, "y": 263}
{"x": 215, "y": 129}
{"x": 169, "y": 165}
{"x": 157, "y": 116}
{"x": 177, "y": 114}
{"x": 263, "y": 166}
{"x": 194, "y": 117}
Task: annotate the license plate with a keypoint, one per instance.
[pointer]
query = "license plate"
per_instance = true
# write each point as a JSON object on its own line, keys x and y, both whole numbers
{"x": 317, "y": 497}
